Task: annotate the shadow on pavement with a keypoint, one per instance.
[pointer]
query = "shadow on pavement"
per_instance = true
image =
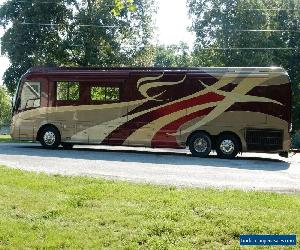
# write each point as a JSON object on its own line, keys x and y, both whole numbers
{"x": 137, "y": 155}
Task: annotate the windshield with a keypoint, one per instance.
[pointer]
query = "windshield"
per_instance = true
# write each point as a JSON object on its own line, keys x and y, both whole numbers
{"x": 30, "y": 95}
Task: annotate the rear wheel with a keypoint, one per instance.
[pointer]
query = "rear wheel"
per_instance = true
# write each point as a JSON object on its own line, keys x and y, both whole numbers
{"x": 49, "y": 137}
{"x": 227, "y": 146}
{"x": 200, "y": 144}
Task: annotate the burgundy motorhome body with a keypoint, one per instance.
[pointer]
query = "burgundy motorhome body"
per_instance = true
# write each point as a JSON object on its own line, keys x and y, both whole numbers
{"x": 229, "y": 110}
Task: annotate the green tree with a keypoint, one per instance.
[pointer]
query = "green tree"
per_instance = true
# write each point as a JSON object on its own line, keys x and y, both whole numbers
{"x": 5, "y": 107}
{"x": 120, "y": 5}
{"x": 117, "y": 38}
{"x": 172, "y": 56}
{"x": 74, "y": 33}
{"x": 228, "y": 31}
{"x": 25, "y": 42}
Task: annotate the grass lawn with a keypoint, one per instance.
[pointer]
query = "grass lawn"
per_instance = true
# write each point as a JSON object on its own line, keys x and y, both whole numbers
{"x": 41, "y": 211}
{"x": 5, "y": 138}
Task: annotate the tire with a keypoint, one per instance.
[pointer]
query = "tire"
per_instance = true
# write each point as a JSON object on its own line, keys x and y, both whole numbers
{"x": 200, "y": 144}
{"x": 67, "y": 146}
{"x": 227, "y": 146}
{"x": 49, "y": 137}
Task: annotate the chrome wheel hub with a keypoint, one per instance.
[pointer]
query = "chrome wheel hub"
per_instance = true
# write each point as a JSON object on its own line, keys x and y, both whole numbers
{"x": 49, "y": 138}
{"x": 200, "y": 145}
{"x": 227, "y": 147}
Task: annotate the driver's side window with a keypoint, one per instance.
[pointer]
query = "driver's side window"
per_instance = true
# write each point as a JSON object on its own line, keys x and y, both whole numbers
{"x": 31, "y": 95}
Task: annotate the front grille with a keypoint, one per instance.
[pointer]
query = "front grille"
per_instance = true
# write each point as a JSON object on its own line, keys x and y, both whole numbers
{"x": 264, "y": 139}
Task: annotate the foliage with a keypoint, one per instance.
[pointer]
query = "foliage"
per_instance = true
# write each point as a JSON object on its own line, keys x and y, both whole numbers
{"x": 67, "y": 91}
{"x": 105, "y": 93}
{"x": 98, "y": 93}
{"x": 224, "y": 24}
{"x": 120, "y": 5}
{"x": 5, "y": 107}
{"x": 31, "y": 44}
{"x": 172, "y": 56}
{"x": 41, "y": 211}
{"x": 74, "y": 33}
{"x": 144, "y": 57}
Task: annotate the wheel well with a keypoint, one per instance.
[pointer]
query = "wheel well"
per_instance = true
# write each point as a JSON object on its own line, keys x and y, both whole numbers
{"x": 233, "y": 134}
{"x": 44, "y": 126}
{"x": 196, "y": 132}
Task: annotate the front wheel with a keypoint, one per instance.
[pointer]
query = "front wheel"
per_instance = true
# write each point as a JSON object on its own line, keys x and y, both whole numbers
{"x": 200, "y": 144}
{"x": 49, "y": 138}
{"x": 227, "y": 146}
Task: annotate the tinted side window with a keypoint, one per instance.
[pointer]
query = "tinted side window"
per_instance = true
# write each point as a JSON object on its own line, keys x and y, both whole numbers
{"x": 112, "y": 93}
{"x": 98, "y": 93}
{"x": 105, "y": 94}
{"x": 67, "y": 91}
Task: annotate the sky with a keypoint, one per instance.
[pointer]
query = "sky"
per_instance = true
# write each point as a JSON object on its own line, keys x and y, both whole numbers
{"x": 172, "y": 22}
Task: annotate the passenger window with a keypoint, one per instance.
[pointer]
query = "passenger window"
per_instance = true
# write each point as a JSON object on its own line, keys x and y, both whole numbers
{"x": 98, "y": 93}
{"x": 112, "y": 94}
{"x": 67, "y": 91}
{"x": 31, "y": 95}
{"x": 105, "y": 94}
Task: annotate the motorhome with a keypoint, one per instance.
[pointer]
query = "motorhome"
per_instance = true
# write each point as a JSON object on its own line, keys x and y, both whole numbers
{"x": 228, "y": 110}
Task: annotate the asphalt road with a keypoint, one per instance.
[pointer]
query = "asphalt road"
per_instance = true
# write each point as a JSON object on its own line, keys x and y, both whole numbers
{"x": 159, "y": 166}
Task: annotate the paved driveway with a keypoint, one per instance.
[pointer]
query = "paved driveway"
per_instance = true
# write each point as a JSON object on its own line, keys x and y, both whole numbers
{"x": 159, "y": 166}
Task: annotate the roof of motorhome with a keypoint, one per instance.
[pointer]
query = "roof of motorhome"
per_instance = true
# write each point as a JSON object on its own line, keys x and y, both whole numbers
{"x": 85, "y": 70}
